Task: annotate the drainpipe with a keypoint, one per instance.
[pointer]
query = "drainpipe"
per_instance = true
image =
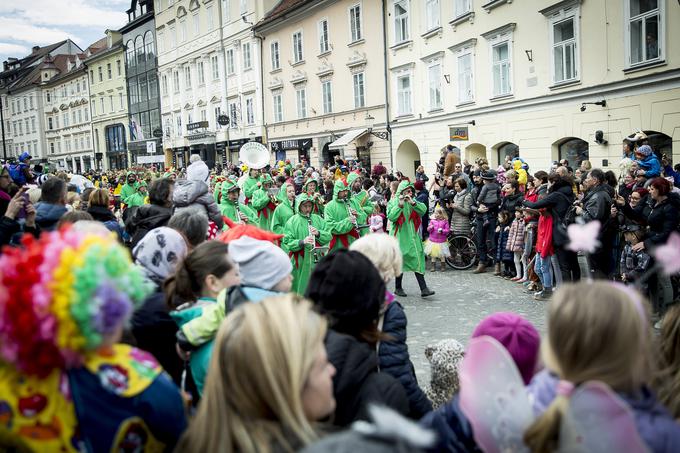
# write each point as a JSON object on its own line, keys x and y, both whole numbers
{"x": 387, "y": 84}
{"x": 265, "y": 136}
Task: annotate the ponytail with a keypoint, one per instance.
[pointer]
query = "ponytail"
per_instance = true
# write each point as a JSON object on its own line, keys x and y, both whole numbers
{"x": 543, "y": 436}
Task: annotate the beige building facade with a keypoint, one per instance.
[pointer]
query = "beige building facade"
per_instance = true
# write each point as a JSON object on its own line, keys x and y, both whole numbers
{"x": 108, "y": 104}
{"x": 545, "y": 80}
{"x": 324, "y": 90}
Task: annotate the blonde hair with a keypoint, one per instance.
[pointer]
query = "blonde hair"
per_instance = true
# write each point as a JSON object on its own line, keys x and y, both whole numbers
{"x": 262, "y": 359}
{"x": 383, "y": 251}
{"x": 440, "y": 213}
{"x": 34, "y": 194}
{"x": 596, "y": 332}
{"x": 668, "y": 379}
{"x": 99, "y": 197}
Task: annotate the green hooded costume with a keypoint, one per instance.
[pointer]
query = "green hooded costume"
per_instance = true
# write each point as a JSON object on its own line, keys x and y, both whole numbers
{"x": 362, "y": 203}
{"x": 337, "y": 218}
{"x": 129, "y": 193}
{"x": 263, "y": 204}
{"x": 283, "y": 211}
{"x": 249, "y": 187}
{"x": 405, "y": 222}
{"x": 318, "y": 202}
{"x": 295, "y": 231}
{"x": 228, "y": 208}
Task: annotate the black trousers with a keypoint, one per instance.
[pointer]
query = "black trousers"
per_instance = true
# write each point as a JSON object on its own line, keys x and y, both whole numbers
{"x": 420, "y": 277}
{"x": 568, "y": 261}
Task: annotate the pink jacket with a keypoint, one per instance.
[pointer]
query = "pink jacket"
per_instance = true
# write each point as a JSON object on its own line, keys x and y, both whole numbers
{"x": 433, "y": 229}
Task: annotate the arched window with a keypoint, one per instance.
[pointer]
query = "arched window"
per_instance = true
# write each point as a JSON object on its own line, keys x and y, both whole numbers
{"x": 149, "y": 46}
{"x": 139, "y": 49}
{"x": 130, "y": 54}
{"x": 575, "y": 151}
{"x": 507, "y": 149}
{"x": 660, "y": 143}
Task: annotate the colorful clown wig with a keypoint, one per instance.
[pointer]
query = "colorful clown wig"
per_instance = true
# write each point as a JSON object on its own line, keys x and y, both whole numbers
{"x": 63, "y": 295}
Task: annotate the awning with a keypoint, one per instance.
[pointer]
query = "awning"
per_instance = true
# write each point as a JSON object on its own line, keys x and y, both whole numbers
{"x": 347, "y": 138}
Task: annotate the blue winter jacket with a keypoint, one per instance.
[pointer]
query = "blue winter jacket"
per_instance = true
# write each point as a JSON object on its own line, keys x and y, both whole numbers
{"x": 47, "y": 215}
{"x": 454, "y": 431}
{"x": 650, "y": 165}
{"x": 502, "y": 254}
{"x": 394, "y": 359}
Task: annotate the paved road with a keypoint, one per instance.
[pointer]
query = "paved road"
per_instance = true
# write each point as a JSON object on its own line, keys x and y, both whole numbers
{"x": 462, "y": 299}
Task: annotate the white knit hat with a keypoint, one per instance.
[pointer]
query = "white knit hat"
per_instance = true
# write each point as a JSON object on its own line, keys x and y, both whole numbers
{"x": 261, "y": 263}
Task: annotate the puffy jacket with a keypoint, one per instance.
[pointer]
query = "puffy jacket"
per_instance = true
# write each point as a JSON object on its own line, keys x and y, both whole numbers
{"x": 460, "y": 219}
{"x": 510, "y": 202}
{"x": 145, "y": 219}
{"x": 454, "y": 431}
{"x": 663, "y": 218}
{"x": 357, "y": 382}
{"x": 558, "y": 200}
{"x": 597, "y": 204}
{"x": 394, "y": 359}
{"x": 650, "y": 165}
{"x": 189, "y": 194}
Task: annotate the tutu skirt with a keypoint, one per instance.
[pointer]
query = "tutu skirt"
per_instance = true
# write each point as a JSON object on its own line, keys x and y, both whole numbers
{"x": 436, "y": 249}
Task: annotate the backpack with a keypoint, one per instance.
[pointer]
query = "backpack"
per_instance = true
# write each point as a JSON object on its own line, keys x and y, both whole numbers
{"x": 17, "y": 174}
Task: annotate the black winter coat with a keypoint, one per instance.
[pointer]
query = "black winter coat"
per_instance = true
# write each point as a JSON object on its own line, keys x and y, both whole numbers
{"x": 394, "y": 359}
{"x": 145, "y": 219}
{"x": 597, "y": 204}
{"x": 454, "y": 431}
{"x": 357, "y": 381}
{"x": 558, "y": 200}
{"x": 662, "y": 218}
{"x": 510, "y": 202}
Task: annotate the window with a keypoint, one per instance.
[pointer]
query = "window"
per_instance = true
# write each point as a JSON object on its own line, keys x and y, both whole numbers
{"x": 201, "y": 73}
{"x": 233, "y": 115}
{"x": 461, "y": 7}
{"x": 109, "y": 73}
{"x": 276, "y": 61}
{"x": 30, "y": 102}
{"x": 278, "y": 108}
{"x": 161, "y": 43}
{"x": 434, "y": 73}
{"x": 432, "y": 12}
{"x": 323, "y": 36}
{"x": 564, "y": 48}
{"x": 143, "y": 93}
{"x": 218, "y": 112}
{"x": 197, "y": 23}
{"x": 49, "y": 96}
{"x": 645, "y": 30}
{"x": 73, "y": 116}
{"x": 173, "y": 37}
{"x": 26, "y": 104}
{"x": 301, "y": 102}
{"x": 575, "y": 151}
{"x": 187, "y": 77}
{"x": 179, "y": 125}
{"x": 358, "y": 83}
{"x": 355, "y": 23}
{"x": 465, "y": 78}
{"x": 121, "y": 100}
{"x": 247, "y": 60}
{"x": 244, "y": 7}
{"x": 501, "y": 69}
{"x": 50, "y": 123}
{"x": 175, "y": 81}
{"x": 204, "y": 115}
{"x": 51, "y": 147}
{"x": 101, "y": 104}
{"x": 250, "y": 111}
{"x": 401, "y": 26}
{"x": 182, "y": 30}
{"x": 215, "y": 68}
{"x": 211, "y": 18}
{"x": 164, "y": 84}
{"x": 80, "y": 114}
{"x": 231, "y": 69}
{"x": 139, "y": 50}
{"x": 101, "y": 76}
{"x": 297, "y": 47}
{"x": 404, "y": 95}
{"x": 87, "y": 114}
{"x": 507, "y": 150}
{"x": 149, "y": 46}
{"x": 110, "y": 105}
{"x": 118, "y": 68}
{"x": 327, "y": 97}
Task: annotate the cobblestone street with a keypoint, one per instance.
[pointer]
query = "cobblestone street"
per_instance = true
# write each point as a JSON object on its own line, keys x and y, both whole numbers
{"x": 462, "y": 299}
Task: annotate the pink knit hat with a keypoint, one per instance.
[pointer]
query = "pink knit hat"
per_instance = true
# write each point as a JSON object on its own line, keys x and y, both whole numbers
{"x": 517, "y": 335}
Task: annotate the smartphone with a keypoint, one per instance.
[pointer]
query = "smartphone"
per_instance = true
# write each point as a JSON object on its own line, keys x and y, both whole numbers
{"x": 22, "y": 211}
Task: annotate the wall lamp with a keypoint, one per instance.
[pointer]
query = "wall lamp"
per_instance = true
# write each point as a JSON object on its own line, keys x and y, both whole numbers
{"x": 603, "y": 103}
{"x": 447, "y": 77}
{"x": 530, "y": 54}
{"x": 369, "y": 126}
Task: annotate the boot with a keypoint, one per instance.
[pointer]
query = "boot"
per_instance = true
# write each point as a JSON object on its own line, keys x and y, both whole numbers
{"x": 432, "y": 266}
{"x": 497, "y": 269}
{"x": 398, "y": 290}
{"x": 443, "y": 265}
{"x": 424, "y": 290}
{"x": 481, "y": 268}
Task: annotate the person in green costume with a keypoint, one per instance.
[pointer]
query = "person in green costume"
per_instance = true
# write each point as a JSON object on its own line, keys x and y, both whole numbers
{"x": 404, "y": 213}
{"x": 340, "y": 216}
{"x": 129, "y": 194}
{"x": 284, "y": 210}
{"x": 360, "y": 200}
{"x": 311, "y": 188}
{"x": 230, "y": 207}
{"x": 250, "y": 185}
{"x": 263, "y": 202}
{"x": 302, "y": 233}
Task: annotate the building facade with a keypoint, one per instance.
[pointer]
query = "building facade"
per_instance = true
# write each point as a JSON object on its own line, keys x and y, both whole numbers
{"x": 324, "y": 71}
{"x": 141, "y": 74}
{"x": 108, "y": 103}
{"x": 209, "y": 67}
{"x": 22, "y": 99}
{"x": 498, "y": 78}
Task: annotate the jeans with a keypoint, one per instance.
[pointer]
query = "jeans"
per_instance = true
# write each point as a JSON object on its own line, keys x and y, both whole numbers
{"x": 543, "y": 267}
{"x": 485, "y": 237}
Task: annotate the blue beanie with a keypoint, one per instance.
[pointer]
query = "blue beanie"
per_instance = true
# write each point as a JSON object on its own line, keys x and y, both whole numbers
{"x": 644, "y": 150}
{"x": 24, "y": 156}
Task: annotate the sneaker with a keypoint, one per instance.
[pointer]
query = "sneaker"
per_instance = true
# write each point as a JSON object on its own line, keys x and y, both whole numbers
{"x": 426, "y": 292}
{"x": 515, "y": 279}
{"x": 399, "y": 292}
{"x": 544, "y": 295}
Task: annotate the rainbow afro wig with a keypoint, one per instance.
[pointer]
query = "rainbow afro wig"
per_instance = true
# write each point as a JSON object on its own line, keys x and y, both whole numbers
{"x": 63, "y": 295}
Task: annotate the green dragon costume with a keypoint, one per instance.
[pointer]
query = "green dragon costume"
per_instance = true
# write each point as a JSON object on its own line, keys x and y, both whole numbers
{"x": 129, "y": 194}
{"x": 405, "y": 222}
{"x": 318, "y": 203}
{"x": 250, "y": 185}
{"x": 263, "y": 204}
{"x": 337, "y": 218}
{"x": 230, "y": 209}
{"x": 362, "y": 203}
{"x": 295, "y": 231}
{"x": 283, "y": 211}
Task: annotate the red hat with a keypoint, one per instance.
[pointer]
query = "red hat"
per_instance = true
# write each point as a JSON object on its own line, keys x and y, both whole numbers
{"x": 419, "y": 185}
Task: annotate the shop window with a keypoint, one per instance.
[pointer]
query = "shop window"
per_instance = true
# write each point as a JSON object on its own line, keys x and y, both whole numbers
{"x": 575, "y": 151}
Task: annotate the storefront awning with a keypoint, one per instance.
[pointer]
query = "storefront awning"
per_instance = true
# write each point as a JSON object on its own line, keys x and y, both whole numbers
{"x": 348, "y": 138}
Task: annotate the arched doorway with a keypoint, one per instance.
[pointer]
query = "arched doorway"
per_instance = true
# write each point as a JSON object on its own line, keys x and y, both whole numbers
{"x": 475, "y": 151}
{"x": 506, "y": 149}
{"x": 328, "y": 155}
{"x": 574, "y": 150}
{"x": 660, "y": 143}
{"x": 408, "y": 158}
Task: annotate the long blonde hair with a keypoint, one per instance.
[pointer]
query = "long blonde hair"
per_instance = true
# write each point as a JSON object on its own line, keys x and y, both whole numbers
{"x": 596, "y": 331}
{"x": 383, "y": 251}
{"x": 253, "y": 393}
{"x": 668, "y": 379}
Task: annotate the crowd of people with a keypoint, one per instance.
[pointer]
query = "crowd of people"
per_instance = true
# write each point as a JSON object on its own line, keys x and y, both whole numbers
{"x": 244, "y": 309}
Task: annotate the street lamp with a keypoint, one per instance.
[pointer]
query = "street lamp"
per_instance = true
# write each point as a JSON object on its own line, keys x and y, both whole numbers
{"x": 370, "y": 121}
{"x": 251, "y": 136}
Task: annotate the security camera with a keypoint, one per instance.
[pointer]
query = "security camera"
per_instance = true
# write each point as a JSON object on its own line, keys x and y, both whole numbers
{"x": 583, "y": 107}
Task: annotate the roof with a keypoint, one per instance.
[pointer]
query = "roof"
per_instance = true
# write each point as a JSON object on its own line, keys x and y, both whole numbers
{"x": 27, "y": 71}
{"x": 280, "y": 10}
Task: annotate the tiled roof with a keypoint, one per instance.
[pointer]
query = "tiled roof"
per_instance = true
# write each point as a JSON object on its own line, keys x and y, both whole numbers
{"x": 281, "y": 9}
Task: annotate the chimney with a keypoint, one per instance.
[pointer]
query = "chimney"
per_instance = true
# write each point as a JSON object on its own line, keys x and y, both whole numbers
{"x": 35, "y": 49}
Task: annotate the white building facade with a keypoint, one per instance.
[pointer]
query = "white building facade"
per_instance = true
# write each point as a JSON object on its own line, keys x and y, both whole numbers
{"x": 26, "y": 122}
{"x": 498, "y": 78}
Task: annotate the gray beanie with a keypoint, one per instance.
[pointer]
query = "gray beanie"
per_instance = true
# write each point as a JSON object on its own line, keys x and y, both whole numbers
{"x": 261, "y": 263}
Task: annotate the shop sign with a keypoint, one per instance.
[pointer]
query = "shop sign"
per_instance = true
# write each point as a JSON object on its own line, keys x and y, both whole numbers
{"x": 458, "y": 133}
{"x": 198, "y": 125}
{"x": 151, "y": 147}
{"x": 151, "y": 159}
{"x": 283, "y": 145}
